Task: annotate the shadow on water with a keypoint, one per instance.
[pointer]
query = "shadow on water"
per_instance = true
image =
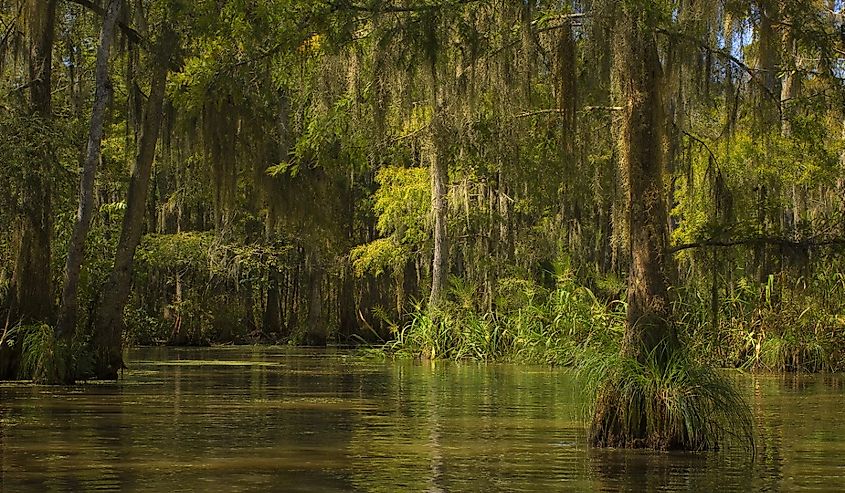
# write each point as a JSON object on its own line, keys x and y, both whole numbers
{"x": 272, "y": 418}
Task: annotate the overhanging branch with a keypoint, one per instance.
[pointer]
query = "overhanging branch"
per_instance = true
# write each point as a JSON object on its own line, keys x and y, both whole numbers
{"x": 399, "y": 8}
{"x": 761, "y": 240}
{"x": 724, "y": 54}
{"x": 132, "y": 34}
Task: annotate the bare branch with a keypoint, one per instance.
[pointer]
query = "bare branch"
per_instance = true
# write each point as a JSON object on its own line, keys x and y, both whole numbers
{"x": 697, "y": 139}
{"x": 132, "y": 34}
{"x": 400, "y": 8}
{"x": 724, "y": 54}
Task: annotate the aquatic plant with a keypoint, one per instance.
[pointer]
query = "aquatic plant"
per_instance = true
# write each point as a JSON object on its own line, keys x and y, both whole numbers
{"x": 50, "y": 360}
{"x": 666, "y": 401}
{"x": 43, "y": 357}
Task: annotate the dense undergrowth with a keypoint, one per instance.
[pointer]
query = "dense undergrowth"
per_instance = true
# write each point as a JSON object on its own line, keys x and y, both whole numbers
{"x": 771, "y": 327}
{"x": 774, "y": 327}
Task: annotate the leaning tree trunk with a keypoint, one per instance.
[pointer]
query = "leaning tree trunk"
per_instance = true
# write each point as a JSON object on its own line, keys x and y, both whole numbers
{"x": 76, "y": 249}
{"x": 109, "y": 319}
{"x": 32, "y": 296}
{"x": 649, "y": 331}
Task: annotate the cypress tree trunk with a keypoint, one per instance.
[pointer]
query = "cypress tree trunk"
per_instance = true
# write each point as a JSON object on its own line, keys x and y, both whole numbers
{"x": 648, "y": 321}
{"x": 840, "y": 185}
{"x": 439, "y": 178}
{"x": 790, "y": 89}
{"x": 273, "y": 313}
{"x": 567, "y": 100}
{"x": 109, "y": 318}
{"x": 31, "y": 278}
{"x": 649, "y": 331}
{"x": 768, "y": 113}
{"x": 347, "y": 305}
{"x": 76, "y": 250}
{"x": 272, "y": 320}
{"x": 32, "y": 294}
{"x": 315, "y": 330}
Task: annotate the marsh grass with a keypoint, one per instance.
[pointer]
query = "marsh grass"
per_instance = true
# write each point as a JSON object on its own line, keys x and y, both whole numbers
{"x": 665, "y": 402}
{"x": 45, "y": 359}
{"x": 776, "y": 326}
{"x": 546, "y": 327}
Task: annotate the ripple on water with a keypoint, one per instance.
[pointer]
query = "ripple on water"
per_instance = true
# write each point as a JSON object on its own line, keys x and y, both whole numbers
{"x": 265, "y": 419}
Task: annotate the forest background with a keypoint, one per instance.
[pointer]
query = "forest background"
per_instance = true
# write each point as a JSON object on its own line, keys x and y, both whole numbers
{"x": 454, "y": 178}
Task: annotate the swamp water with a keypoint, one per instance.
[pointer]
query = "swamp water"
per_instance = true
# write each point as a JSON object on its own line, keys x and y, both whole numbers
{"x": 277, "y": 419}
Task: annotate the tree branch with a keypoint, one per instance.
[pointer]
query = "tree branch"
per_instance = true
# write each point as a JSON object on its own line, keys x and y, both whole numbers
{"x": 526, "y": 114}
{"x": 132, "y": 34}
{"x": 724, "y": 54}
{"x": 11, "y": 27}
{"x": 760, "y": 240}
{"x": 693, "y": 137}
{"x": 400, "y": 8}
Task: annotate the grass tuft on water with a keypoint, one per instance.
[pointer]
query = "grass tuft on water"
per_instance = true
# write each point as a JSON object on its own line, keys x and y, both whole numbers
{"x": 665, "y": 402}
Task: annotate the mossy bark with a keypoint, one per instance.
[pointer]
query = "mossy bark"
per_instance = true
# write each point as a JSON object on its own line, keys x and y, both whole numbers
{"x": 316, "y": 333}
{"x": 32, "y": 287}
{"x": 439, "y": 180}
{"x": 649, "y": 332}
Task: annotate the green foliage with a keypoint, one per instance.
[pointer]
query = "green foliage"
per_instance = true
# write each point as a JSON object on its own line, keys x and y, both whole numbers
{"x": 379, "y": 256}
{"x": 294, "y": 154}
{"x": 536, "y": 326}
{"x": 770, "y": 327}
{"x": 45, "y": 359}
{"x": 142, "y": 328}
{"x": 402, "y": 207}
{"x": 176, "y": 251}
{"x": 402, "y": 204}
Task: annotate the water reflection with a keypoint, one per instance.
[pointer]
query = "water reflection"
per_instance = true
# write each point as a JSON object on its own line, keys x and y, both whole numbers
{"x": 273, "y": 419}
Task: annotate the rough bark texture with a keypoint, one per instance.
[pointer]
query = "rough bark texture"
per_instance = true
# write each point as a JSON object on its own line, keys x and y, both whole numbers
{"x": 768, "y": 92}
{"x": 439, "y": 178}
{"x": 33, "y": 286}
{"x": 649, "y": 330}
{"x": 272, "y": 320}
{"x": 648, "y": 304}
{"x": 32, "y": 295}
{"x": 768, "y": 61}
{"x": 109, "y": 322}
{"x": 76, "y": 249}
{"x": 841, "y": 183}
{"x": 790, "y": 89}
{"x": 567, "y": 100}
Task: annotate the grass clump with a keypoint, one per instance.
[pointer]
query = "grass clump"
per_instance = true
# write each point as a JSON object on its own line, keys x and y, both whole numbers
{"x": 46, "y": 359}
{"x": 665, "y": 401}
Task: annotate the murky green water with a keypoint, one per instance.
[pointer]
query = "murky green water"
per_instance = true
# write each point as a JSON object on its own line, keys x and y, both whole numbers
{"x": 273, "y": 419}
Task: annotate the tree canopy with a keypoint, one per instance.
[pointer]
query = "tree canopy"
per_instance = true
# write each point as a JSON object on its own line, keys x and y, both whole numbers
{"x": 332, "y": 171}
